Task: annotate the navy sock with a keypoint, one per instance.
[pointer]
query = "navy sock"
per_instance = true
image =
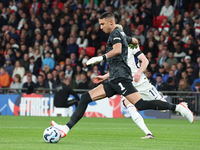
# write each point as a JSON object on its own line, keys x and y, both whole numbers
{"x": 80, "y": 110}
{"x": 154, "y": 104}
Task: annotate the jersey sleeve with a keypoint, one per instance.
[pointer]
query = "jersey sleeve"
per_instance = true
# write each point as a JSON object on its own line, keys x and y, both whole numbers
{"x": 116, "y": 38}
{"x": 136, "y": 52}
{"x": 129, "y": 39}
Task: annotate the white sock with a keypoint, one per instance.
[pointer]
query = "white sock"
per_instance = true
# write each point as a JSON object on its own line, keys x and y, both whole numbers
{"x": 66, "y": 128}
{"x": 137, "y": 118}
{"x": 178, "y": 108}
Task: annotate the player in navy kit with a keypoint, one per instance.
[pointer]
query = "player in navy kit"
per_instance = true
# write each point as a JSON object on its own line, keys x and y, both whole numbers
{"x": 120, "y": 81}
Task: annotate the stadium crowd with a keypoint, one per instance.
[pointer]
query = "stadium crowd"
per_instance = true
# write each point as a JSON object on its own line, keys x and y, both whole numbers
{"x": 44, "y": 41}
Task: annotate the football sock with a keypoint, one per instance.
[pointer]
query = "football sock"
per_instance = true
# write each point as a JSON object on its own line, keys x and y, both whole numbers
{"x": 137, "y": 118}
{"x": 80, "y": 110}
{"x": 154, "y": 104}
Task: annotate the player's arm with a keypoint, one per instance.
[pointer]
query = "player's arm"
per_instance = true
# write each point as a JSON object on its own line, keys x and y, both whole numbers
{"x": 99, "y": 79}
{"x": 117, "y": 50}
{"x": 131, "y": 40}
{"x": 144, "y": 64}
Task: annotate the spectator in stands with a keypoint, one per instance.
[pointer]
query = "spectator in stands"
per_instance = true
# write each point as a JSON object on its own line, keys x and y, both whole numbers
{"x": 156, "y": 8}
{"x": 55, "y": 44}
{"x": 171, "y": 86}
{"x": 78, "y": 69}
{"x": 71, "y": 48}
{"x": 32, "y": 66}
{"x": 36, "y": 6}
{"x": 85, "y": 67}
{"x": 183, "y": 85}
{"x": 161, "y": 72}
{"x": 179, "y": 54}
{"x": 152, "y": 66}
{"x": 37, "y": 57}
{"x": 150, "y": 78}
{"x": 129, "y": 7}
{"x": 191, "y": 75}
{"x": 30, "y": 85}
{"x": 160, "y": 85}
{"x": 61, "y": 75}
{"x": 30, "y": 51}
{"x": 4, "y": 78}
{"x": 55, "y": 79}
{"x": 126, "y": 28}
{"x": 187, "y": 19}
{"x": 172, "y": 26}
{"x": 163, "y": 58}
{"x": 187, "y": 61}
{"x": 24, "y": 62}
{"x": 167, "y": 10}
{"x": 3, "y": 21}
{"x": 69, "y": 71}
{"x": 49, "y": 83}
{"x": 139, "y": 35}
{"x": 171, "y": 60}
{"x": 47, "y": 49}
{"x": 48, "y": 61}
{"x": 28, "y": 73}
{"x": 94, "y": 41}
{"x": 74, "y": 61}
{"x": 46, "y": 69}
{"x": 40, "y": 84}
{"x": 136, "y": 24}
{"x": 18, "y": 70}
{"x": 9, "y": 67}
{"x": 59, "y": 56}
{"x": 84, "y": 82}
{"x": 195, "y": 81}
{"x": 164, "y": 26}
{"x": 10, "y": 53}
{"x": 82, "y": 41}
{"x": 184, "y": 76}
{"x": 197, "y": 29}
{"x": 151, "y": 47}
{"x": 185, "y": 37}
{"x": 16, "y": 84}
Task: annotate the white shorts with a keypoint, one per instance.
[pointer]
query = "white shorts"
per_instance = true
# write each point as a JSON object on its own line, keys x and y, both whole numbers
{"x": 147, "y": 91}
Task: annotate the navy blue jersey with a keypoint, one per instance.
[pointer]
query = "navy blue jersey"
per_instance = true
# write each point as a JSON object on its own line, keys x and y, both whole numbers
{"x": 118, "y": 66}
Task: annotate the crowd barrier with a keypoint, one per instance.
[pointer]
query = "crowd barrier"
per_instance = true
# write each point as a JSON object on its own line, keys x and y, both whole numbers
{"x": 42, "y": 105}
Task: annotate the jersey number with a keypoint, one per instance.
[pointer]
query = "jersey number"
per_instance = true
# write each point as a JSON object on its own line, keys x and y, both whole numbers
{"x": 153, "y": 92}
{"x": 121, "y": 86}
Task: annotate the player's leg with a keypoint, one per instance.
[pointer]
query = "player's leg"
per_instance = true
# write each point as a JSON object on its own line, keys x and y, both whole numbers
{"x": 136, "y": 99}
{"x": 95, "y": 94}
{"x": 72, "y": 102}
{"x": 137, "y": 118}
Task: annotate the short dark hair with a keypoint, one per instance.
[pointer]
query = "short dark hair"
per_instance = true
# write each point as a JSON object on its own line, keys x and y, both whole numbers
{"x": 170, "y": 79}
{"x": 106, "y": 15}
{"x": 32, "y": 57}
{"x": 158, "y": 75}
{"x": 40, "y": 76}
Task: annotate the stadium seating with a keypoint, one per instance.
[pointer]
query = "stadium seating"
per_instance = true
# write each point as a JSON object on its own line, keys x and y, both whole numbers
{"x": 90, "y": 51}
{"x": 104, "y": 43}
{"x": 157, "y": 21}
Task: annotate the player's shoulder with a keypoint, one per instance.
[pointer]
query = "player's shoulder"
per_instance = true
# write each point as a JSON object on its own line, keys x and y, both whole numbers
{"x": 118, "y": 32}
{"x": 134, "y": 50}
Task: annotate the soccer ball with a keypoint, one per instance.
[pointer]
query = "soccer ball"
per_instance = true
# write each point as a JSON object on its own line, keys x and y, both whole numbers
{"x": 51, "y": 135}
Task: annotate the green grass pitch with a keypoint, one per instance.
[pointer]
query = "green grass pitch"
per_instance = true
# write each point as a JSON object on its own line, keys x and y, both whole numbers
{"x": 25, "y": 133}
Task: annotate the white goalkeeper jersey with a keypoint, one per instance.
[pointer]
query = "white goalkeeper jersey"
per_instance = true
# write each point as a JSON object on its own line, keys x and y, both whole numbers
{"x": 134, "y": 64}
